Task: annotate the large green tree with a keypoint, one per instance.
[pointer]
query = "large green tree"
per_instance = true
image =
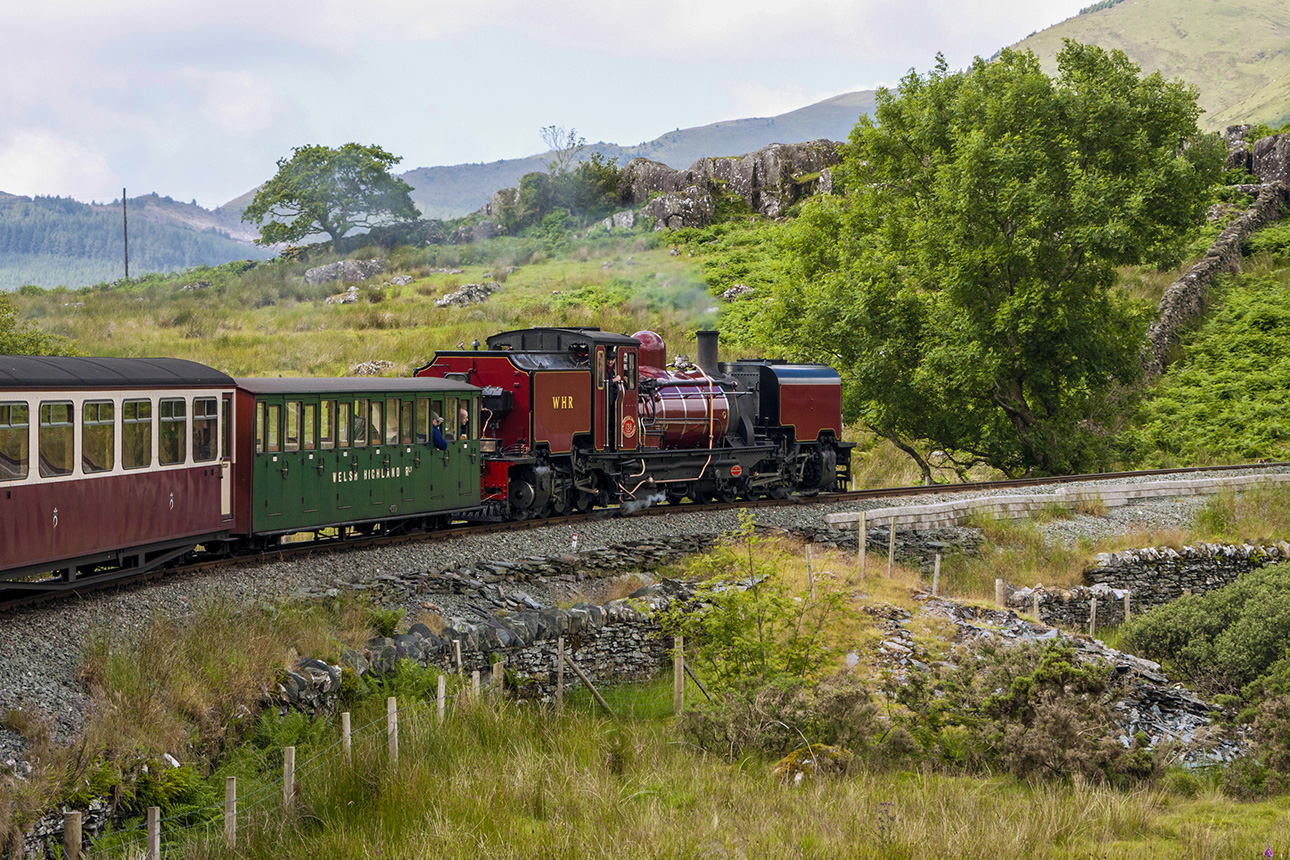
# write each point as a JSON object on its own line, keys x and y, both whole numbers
{"x": 963, "y": 278}
{"x": 328, "y": 190}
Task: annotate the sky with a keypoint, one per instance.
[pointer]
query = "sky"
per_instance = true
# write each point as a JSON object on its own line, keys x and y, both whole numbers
{"x": 198, "y": 101}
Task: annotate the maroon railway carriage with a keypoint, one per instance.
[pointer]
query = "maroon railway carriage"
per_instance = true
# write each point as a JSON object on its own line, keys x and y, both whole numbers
{"x": 580, "y": 417}
{"x": 108, "y": 465}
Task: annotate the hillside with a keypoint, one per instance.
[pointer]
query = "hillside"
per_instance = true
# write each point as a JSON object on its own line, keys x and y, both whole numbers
{"x": 1235, "y": 52}
{"x": 62, "y": 242}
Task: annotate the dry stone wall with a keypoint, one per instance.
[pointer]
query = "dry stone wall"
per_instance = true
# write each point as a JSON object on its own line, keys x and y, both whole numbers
{"x": 1151, "y": 577}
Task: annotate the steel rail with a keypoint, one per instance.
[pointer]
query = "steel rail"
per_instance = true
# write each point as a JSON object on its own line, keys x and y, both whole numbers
{"x": 14, "y": 599}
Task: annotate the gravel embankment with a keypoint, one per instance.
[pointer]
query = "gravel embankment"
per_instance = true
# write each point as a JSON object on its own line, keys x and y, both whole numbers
{"x": 40, "y": 647}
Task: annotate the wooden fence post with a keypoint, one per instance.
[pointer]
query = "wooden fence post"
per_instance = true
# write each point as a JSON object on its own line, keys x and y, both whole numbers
{"x": 456, "y": 646}
{"x": 230, "y": 811}
{"x": 559, "y": 674}
{"x": 499, "y": 677}
{"x": 72, "y": 835}
{"x": 154, "y": 833}
{"x": 474, "y": 684}
{"x": 678, "y": 675}
{"x": 1092, "y": 616}
{"x": 441, "y": 698}
{"x": 392, "y": 727}
{"x": 936, "y": 577}
{"x": 810, "y": 572}
{"x": 592, "y": 687}
{"x": 891, "y": 549}
{"x": 1000, "y": 593}
{"x": 288, "y": 777}
{"x": 861, "y": 548}
{"x": 1126, "y": 607}
{"x": 346, "y": 738}
{"x": 1038, "y": 617}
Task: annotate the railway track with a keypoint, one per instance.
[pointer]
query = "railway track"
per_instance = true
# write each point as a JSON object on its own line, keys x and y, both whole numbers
{"x": 11, "y": 599}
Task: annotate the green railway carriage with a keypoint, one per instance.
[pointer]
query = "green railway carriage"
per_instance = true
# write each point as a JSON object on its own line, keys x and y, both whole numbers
{"x": 356, "y": 454}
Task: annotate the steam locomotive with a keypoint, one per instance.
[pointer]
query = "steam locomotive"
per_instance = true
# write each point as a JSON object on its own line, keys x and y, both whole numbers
{"x": 110, "y": 467}
{"x": 579, "y": 418}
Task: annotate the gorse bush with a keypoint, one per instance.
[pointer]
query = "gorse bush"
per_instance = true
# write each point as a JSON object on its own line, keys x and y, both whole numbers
{"x": 1225, "y": 639}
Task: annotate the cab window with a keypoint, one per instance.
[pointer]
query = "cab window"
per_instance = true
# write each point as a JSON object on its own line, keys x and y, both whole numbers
{"x": 629, "y": 370}
{"x": 98, "y": 428}
{"x": 15, "y": 442}
{"x": 136, "y": 434}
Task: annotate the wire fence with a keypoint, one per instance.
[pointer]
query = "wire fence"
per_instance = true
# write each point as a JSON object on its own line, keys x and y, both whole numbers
{"x": 145, "y": 839}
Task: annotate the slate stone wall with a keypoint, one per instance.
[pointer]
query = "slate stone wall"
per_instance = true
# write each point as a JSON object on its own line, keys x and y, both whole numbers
{"x": 1151, "y": 577}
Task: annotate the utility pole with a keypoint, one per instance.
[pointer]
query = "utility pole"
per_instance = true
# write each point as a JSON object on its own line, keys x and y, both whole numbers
{"x": 125, "y": 235}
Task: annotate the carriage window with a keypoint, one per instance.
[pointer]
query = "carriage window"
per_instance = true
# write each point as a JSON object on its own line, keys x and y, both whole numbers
{"x": 474, "y": 417}
{"x": 292, "y": 440}
{"x": 451, "y": 420}
{"x": 374, "y": 423}
{"x": 360, "y": 422}
{"x": 342, "y": 425}
{"x": 273, "y": 428}
{"x": 308, "y": 430}
{"x": 423, "y": 420}
{"x": 14, "y": 441}
{"x": 98, "y": 449}
{"x": 391, "y": 421}
{"x": 55, "y": 439}
{"x": 174, "y": 424}
{"x": 136, "y": 434}
{"x": 600, "y": 368}
{"x": 205, "y": 423}
{"x": 259, "y": 428}
{"x": 226, "y": 421}
{"x": 327, "y": 425}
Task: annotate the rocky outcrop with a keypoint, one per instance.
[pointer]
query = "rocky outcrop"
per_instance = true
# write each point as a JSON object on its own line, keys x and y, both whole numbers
{"x": 349, "y": 271}
{"x": 470, "y": 294}
{"x": 769, "y": 180}
{"x": 624, "y": 220}
{"x": 481, "y": 232}
{"x": 690, "y": 207}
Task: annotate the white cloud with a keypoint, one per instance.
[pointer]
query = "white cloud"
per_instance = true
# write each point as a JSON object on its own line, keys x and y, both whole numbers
{"x": 37, "y": 161}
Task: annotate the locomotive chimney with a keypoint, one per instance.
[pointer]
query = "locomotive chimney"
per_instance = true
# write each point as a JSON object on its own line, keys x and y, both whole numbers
{"x": 707, "y": 358}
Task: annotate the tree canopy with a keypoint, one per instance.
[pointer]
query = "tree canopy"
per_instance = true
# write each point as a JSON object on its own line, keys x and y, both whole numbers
{"x": 963, "y": 278}
{"x": 324, "y": 190}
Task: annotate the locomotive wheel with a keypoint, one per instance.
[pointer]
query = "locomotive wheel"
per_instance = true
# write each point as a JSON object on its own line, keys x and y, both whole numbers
{"x": 727, "y": 494}
{"x": 676, "y": 496}
{"x": 560, "y": 504}
{"x": 583, "y": 501}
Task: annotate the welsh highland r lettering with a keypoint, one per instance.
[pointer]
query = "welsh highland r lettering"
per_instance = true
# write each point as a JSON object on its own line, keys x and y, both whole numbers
{"x": 370, "y": 474}
{"x": 562, "y": 401}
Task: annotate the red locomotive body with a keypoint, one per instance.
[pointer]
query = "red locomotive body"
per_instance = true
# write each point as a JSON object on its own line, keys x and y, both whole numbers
{"x": 581, "y": 417}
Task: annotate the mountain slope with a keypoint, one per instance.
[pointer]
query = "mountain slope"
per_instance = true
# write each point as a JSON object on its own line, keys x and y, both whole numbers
{"x": 54, "y": 241}
{"x": 1236, "y": 52}
{"x": 451, "y": 191}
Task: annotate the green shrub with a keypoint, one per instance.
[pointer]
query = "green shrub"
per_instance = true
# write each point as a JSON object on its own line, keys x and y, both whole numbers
{"x": 385, "y": 621}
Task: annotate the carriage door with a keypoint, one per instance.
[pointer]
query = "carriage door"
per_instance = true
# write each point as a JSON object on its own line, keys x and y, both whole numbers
{"x": 226, "y": 457}
{"x": 625, "y": 400}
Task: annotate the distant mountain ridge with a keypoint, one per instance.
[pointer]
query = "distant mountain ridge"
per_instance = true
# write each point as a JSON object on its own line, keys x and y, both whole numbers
{"x": 451, "y": 191}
